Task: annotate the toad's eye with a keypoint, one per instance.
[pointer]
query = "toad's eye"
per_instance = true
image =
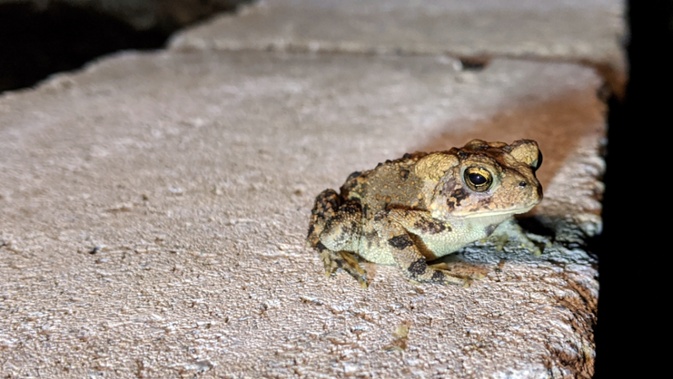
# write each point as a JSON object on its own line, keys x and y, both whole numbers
{"x": 478, "y": 178}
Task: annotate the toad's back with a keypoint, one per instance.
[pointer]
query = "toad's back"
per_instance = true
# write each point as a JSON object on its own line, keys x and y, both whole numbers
{"x": 390, "y": 184}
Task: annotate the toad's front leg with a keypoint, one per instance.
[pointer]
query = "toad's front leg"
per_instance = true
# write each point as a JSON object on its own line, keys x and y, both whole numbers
{"x": 400, "y": 230}
{"x": 334, "y": 232}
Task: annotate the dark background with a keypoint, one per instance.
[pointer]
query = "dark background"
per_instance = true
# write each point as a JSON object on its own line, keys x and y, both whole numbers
{"x": 633, "y": 322}
{"x": 633, "y": 317}
{"x": 38, "y": 38}
{"x": 37, "y": 42}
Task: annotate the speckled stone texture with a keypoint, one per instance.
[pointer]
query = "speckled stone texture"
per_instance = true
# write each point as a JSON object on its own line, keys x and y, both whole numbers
{"x": 154, "y": 209}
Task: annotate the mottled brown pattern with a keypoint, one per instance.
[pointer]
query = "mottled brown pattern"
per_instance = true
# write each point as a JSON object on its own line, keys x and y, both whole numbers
{"x": 456, "y": 196}
{"x": 400, "y": 242}
{"x": 430, "y": 227}
{"x": 417, "y": 206}
{"x": 417, "y": 268}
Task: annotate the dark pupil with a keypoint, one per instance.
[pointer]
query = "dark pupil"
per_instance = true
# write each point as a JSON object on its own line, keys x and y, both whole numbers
{"x": 477, "y": 179}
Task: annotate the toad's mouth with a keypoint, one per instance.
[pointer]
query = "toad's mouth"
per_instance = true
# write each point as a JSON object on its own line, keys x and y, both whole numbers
{"x": 487, "y": 213}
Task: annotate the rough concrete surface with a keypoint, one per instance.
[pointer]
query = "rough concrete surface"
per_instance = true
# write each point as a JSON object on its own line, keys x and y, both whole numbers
{"x": 154, "y": 209}
{"x": 570, "y": 30}
{"x": 154, "y": 219}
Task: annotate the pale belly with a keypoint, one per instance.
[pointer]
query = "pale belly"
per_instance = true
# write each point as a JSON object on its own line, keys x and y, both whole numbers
{"x": 431, "y": 246}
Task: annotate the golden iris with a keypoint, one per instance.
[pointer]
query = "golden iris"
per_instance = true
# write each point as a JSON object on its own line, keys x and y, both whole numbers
{"x": 478, "y": 178}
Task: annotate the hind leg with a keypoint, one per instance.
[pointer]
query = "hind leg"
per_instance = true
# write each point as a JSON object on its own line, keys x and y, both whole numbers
{"x": 334, "y": 232}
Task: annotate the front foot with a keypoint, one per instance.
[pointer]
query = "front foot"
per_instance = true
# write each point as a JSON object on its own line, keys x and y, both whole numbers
{"x": 447, "y": 278}
{"x": 457, "y": 278}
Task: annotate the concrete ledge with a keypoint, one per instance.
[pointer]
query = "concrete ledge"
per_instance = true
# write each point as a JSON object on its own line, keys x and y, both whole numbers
{"x": 590, "y": 32}
{"x": 154, "y": 210}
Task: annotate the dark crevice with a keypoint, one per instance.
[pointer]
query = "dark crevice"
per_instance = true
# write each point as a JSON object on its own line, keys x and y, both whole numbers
{"x": 474, "y": 63}
{"x": 42, "y": 38}
{"x": 633, "y": 297}
{"x": 59, "y": 37}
